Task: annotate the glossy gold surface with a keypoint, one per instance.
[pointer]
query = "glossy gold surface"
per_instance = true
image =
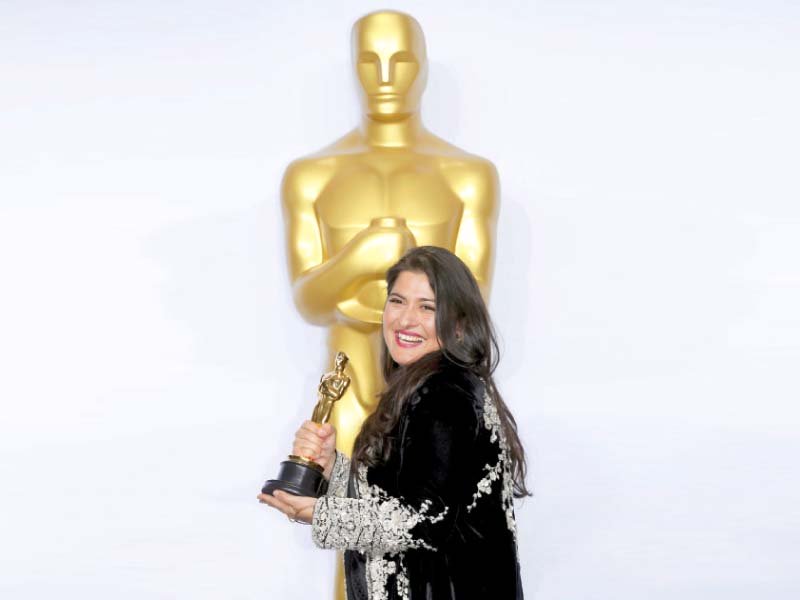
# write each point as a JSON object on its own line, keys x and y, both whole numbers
{"x": 352, "y": 209}
{"x": 332, "y": 387}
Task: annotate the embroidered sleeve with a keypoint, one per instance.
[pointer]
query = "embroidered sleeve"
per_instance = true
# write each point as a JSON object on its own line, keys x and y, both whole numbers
{"x": 441, "y": 431}
{"x": 337, "y": 486}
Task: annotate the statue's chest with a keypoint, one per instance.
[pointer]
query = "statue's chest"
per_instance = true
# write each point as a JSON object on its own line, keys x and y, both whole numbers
{"x": 364, "y": 190}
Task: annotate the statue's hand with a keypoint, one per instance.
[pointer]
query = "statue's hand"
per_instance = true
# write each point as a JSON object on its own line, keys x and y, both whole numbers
{"x": 380, "y": 245}
{"x": 317, "y": 442}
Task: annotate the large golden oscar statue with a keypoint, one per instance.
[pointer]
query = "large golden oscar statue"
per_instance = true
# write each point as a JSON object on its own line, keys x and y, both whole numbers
{"x": 352, "y": 209}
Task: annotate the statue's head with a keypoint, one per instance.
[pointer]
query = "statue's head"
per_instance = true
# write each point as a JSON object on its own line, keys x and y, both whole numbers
{"x": 390, "y": 61}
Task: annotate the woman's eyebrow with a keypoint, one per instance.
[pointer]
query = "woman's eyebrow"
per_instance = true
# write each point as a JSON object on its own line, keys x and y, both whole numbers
{"x": 418, "y": 299}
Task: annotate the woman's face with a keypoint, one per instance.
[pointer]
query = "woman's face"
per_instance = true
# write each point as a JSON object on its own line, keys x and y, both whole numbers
{"x": 409, "y": 318}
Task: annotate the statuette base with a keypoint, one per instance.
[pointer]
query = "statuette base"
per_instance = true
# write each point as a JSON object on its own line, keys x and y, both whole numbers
{"x": 299, "y": 477}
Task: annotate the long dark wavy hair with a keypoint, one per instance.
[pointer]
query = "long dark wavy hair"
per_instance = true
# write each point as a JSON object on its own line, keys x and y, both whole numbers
{"x": 467, "y": 339}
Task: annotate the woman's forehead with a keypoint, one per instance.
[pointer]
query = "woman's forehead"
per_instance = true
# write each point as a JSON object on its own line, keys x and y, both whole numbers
{"x": 413, "y": 284}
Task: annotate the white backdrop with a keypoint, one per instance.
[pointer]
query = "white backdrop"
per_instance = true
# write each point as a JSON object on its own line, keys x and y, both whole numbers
{"x": 153, "y": 368}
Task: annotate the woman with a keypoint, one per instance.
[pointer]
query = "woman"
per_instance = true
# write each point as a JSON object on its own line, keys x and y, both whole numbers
{"x": 424, "y": 509}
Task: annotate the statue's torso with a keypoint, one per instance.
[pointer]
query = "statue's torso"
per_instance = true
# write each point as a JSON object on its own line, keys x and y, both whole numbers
{"x": 387, "y": 183}
{"x": 352, "y": 184}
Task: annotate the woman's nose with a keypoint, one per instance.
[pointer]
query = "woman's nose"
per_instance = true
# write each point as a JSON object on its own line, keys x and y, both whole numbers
{"x": 408, "y": 318}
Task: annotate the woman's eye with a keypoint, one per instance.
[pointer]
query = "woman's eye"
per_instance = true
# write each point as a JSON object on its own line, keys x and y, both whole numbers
{"x": 394, "y": 300}
{"x": 428, "y": 307}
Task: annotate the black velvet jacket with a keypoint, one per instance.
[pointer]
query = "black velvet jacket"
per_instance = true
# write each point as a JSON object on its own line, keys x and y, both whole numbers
{"x": 435, "y": 522}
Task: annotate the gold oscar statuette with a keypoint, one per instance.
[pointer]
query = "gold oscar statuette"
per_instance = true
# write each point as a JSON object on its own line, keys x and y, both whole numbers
{"x": 299, "y": 475}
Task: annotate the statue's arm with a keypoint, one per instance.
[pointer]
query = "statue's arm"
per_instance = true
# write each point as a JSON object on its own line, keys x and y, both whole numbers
{"x": 320, "y": 282}
{"x": 479, "y": 190}
{"x": 315, "y": 284}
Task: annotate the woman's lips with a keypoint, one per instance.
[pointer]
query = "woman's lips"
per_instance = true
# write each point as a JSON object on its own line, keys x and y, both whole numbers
{"x": 408, "y": 340}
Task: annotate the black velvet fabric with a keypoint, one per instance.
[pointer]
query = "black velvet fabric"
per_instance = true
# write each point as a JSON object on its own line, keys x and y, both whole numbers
{"x": 441, "y": 451}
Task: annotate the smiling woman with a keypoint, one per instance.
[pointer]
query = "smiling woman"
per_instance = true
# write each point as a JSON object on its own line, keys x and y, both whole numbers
{"x": 424, "y": 509}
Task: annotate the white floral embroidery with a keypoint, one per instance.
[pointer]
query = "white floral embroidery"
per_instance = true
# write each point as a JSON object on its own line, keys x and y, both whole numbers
{"x": 501, "y": 470}
{"x": 397, "y": 519}
{"x": 378, "y": 571}
{"x": 337, "y": 486}
{"x": 377, "y": 575}
{"x": 485, "y": 484}
{"x": 402, "y": 581}
{"x": 375, "y": 523}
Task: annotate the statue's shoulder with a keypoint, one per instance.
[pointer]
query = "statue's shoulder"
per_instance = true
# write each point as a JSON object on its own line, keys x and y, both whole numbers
{"x": 458, "y": 161}
{"x": 306, "y": 168}
{"x": 476, "y": 169}
{"x": 466, "y": 171}
{"x": 312, "y": 172}
{"x": 333, "y": 153}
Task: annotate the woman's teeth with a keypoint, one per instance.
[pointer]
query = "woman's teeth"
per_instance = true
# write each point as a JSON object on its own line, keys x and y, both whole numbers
{"x": 411, "y": 339}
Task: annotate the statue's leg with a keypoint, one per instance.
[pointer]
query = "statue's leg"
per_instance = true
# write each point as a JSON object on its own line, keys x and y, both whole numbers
{"x": 339, "y": 590}
{"x": 360, "y": 399}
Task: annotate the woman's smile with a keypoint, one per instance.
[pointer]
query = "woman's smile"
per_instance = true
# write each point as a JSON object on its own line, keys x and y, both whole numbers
{"x": 406, "y": 339}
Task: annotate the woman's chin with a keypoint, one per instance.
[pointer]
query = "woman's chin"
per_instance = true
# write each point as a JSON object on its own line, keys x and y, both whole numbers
{"x": 406, "y": 356}
{"x": 403, "y": 359}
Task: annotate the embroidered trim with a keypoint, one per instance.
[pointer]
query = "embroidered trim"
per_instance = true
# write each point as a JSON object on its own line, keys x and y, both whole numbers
{"x": 402, "y": 582}
{"x": 485, "y": 484}
{"x": 337, "y": 486}
{"x": 377, "y": 575}
{"x": 501, "y": 470}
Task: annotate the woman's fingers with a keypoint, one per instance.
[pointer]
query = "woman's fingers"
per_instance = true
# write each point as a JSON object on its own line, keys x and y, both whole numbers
{"x": 310, "y": 427}
{"x": 297, "y": 508}
{"x": 308, "y": 440}
{"x": 315, "y": 441}
{"x": 302, "y": 506}
{"x": 276, "y": 503}
{"x": 315, "y": 430}
{"x": 306, "y": 452}
{"x": 307, "y": 448}
{"x": 278, "y": 500}
{"x": 308, "y": 437}
{"x": 307, "y": 443}
{"x": 310, "y": 432}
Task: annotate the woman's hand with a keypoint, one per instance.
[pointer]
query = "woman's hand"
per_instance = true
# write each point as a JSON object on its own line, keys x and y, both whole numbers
{"x": 317, "y": 442}
{"x": 297, "y": 508}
